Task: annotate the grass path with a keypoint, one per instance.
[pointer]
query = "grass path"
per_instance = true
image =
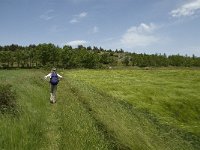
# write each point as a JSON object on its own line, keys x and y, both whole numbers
{"x": 53, "y": 134}
{"x": 69, "y": 126}
{"x": 77, "y": 127}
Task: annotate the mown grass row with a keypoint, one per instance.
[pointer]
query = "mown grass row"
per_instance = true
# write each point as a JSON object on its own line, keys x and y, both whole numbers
{"x": 172, "y": 95}
{"x": 132, "y": 125}
{"x": 77, "y": 127}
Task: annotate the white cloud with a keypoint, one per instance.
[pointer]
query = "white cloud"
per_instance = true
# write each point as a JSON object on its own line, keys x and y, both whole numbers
{"x": 82, "y": 15}
{"x": 78, "y": 18}
{"x": 141, "y": 36}
{"x": 187, "y": 9}
{"x": 143, "y": 28}
{"x": 47, "y": 15}
{"x": 77, "y": 42}
{"x": 73, "y": 21}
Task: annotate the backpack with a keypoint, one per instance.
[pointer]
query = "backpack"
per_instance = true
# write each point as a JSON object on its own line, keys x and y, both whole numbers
{"x": 54, "y": 79}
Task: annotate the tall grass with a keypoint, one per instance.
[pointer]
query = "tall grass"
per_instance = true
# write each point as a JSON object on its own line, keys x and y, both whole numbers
{"x": 41, "y": 125}
{"x": 7, "y": 99}
{"x": 25, "y": 131}
{"x": 165, "y": 103}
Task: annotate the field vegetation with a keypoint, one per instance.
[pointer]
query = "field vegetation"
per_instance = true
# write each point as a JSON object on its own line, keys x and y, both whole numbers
{"x": 104, "y": 109}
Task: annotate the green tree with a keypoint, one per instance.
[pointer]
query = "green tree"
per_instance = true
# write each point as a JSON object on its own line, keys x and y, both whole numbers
{"x": 126, "y": 61}
{"x": 66, "y": 55}
{"x": 105, "y": 58}
{"x": 6, "y": 58}
{"x": 91, "y": 60}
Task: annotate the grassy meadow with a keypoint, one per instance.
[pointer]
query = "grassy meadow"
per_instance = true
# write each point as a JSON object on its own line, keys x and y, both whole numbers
{"x": 104, "y": 109}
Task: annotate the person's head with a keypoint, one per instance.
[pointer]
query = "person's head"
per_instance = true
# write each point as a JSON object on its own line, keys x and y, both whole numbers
{"x": 53, "y": 69}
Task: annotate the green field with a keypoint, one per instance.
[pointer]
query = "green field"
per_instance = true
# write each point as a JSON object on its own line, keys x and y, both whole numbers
{"x": 104, "y": 109}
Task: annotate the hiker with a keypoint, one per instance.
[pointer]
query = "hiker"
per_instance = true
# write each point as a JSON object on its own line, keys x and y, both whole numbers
{"x": 54, "y": 80}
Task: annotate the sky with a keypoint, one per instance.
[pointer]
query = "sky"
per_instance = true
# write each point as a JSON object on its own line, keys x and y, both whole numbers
{"x": 140, "y": 26}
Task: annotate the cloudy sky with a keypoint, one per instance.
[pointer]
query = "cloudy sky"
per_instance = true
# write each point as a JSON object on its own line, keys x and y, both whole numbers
{"x": 141, "y": 26}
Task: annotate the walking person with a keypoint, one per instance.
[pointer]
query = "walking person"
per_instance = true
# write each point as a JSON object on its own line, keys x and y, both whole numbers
{"x": 54, "y": 80}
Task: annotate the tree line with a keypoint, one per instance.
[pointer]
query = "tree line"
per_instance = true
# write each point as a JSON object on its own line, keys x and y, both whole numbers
{"x": 49, "y": 55}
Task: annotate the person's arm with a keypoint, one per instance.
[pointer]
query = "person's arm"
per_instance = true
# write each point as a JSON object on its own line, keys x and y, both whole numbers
{"x": 59, "y": 76}
{"x": 49, "y": 75}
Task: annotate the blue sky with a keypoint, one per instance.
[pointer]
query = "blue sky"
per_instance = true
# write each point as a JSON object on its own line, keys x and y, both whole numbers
{"x": 141, "y": 26}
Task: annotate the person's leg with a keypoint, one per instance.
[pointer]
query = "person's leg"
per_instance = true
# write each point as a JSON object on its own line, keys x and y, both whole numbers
{"x": 51, "y": 93}
{"x": 54, "y": 93}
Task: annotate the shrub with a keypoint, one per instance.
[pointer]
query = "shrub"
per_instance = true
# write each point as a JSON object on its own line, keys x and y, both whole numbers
{"x": 7, "y": 99}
